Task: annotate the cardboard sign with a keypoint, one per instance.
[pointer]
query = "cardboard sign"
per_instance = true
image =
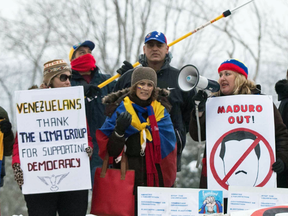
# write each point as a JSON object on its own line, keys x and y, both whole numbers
{"x": 52, "y": 137}
{"x": 240, "y": 143}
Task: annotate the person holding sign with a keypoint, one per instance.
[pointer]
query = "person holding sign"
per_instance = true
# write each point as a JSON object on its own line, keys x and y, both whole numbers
{"x": 233, "y": 81}
{"x": 87, "y": 74}
{"x": 139, "y": 124}
{"x": 57, "y": 74}
{"x": 6, "y": 141}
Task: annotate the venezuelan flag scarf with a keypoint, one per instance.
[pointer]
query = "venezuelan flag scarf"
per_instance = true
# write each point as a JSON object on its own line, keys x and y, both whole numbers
{"x": 157, "y": 137}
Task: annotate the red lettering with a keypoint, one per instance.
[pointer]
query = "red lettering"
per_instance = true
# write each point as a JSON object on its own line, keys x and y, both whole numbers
{"x": 221, "y": 109}
{"x": 251, "y": 108}
{"x": 239, "y": 121}
{"x": 229, "y": 109}
{"x": 244, "y": 108}
{"x": 78, "y": 160}
{"x": 42, "y": 164}
{"x": 259, "y": 108}
{"x": 67, "y": 163}
{"x": 61, "y": 164}
{"x": 30, "y": 167}
{"x": 35, "y": 166}
{"x": 71, "y": 163}
{"x": 49, "y": 163}
{"x": 231, "y": 120}
{"x": 236, "y": 108}
{"x": 247, "y": 118}
{"x": 54, "y": 164}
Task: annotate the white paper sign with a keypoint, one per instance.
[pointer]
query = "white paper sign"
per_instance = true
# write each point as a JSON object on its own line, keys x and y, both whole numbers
{"x": 240, "y": 141}
{"x": 179, "y": 201}
{"x": 52, "y": 137}
{"x": 242, "y": 199}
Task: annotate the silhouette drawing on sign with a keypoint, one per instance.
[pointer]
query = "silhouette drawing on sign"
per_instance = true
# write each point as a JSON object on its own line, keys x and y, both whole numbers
{"x": 53, "y": 180}
{"x": 241, "y": 174}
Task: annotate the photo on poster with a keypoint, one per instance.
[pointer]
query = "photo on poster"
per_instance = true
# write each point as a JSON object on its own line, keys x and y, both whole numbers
{"x": 210, "y": 202}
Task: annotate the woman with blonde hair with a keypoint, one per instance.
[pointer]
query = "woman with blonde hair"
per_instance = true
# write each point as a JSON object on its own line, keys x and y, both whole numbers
{"x": 233, "y": 80}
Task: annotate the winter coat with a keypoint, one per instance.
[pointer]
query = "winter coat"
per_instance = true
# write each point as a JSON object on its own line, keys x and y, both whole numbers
{"x": 167, "y": 78}
{"x": 94, "y": 108}
{"x": 281, "y": 140}
{"x": 281, "y": 88}
{"x": 108, "y": 140}
{"x": 8, "y": 146}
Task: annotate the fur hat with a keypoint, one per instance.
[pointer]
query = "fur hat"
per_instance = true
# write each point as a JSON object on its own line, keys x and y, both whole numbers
{"x": 234, "y": 65}
{"x": 144, "y": 73}
{"x": 53, "y": 68}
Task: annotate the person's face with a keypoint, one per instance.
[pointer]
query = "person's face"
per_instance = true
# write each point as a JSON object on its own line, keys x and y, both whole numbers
{"x": 227, "y": 81}
{"x": 247, "y": 172}
{"x": 82, "y": 51}
{"x": 155, "y": 51}
{"x": 144, "y": 89}
{"x": 61, "y": 80}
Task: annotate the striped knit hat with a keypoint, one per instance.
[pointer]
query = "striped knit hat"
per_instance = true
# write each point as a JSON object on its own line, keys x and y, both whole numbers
{"x": 234, "y": 65}
{"x": 53, "y": 68}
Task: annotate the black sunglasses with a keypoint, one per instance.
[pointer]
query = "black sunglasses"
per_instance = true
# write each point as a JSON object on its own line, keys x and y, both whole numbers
{"x": 64, "y": 77}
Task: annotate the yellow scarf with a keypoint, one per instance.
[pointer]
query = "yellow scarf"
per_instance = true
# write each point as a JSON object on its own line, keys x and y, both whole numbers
{"x": 142, "y": 127}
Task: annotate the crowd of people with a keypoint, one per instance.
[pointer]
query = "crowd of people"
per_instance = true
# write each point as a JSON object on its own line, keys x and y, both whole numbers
{"x": 145, "y": 113}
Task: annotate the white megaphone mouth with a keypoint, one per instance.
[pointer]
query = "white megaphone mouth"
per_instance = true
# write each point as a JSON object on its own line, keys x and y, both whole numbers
{"x": 189, "y": 78}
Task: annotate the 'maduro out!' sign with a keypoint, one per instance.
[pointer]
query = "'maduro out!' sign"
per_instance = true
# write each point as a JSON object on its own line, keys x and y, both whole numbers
{"x": 240, "y": 141}
{"x": 52, "y": 137}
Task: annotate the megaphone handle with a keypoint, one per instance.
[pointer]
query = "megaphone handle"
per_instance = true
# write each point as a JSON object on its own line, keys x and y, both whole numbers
{"x": 199, "y": 135}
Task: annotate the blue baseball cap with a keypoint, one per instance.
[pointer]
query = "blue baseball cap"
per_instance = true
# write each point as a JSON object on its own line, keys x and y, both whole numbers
{"x": 86, "y": 43}
{"x": 155, "y": 35}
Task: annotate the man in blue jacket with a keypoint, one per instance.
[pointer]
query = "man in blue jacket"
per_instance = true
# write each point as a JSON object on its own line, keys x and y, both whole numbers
{"x": 157, "y": 56}
{"x": 86, "y": 73}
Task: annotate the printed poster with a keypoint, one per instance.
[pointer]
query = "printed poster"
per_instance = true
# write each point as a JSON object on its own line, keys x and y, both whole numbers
{"x": 52, "y": 137}
{"x": 160, "y": 201}
{"x": 246, "y": 201}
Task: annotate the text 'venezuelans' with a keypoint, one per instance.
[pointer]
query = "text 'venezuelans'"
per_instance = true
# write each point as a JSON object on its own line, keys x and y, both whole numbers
{"x": 49, "y": 106}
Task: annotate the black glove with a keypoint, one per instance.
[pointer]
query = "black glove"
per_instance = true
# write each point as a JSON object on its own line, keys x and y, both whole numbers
{"x": 122, "y": 122}
{"x": 5, "y": 127}
{"x": 125, "y": 67}
{"x": 90, "y": 90}
{"x": 278, "y": 166}
{"x": 201, "y": 96}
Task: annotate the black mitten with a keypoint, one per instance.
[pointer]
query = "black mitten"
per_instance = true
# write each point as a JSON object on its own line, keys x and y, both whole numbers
{"x": 5, "y": 127}
{"x": 201, "y": 98}
{"x": 125, "y": 67}
{"x": 122, "y": 122}
{"x": 278, "y": 166}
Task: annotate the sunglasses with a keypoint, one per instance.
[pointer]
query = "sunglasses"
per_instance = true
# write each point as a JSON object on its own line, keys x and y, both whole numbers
{"x": 64, "y": 77}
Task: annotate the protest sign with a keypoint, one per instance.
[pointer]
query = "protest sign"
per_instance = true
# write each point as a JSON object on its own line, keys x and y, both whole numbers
{"x": 240, "y": 141}
{"x": 52, "y": 137}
